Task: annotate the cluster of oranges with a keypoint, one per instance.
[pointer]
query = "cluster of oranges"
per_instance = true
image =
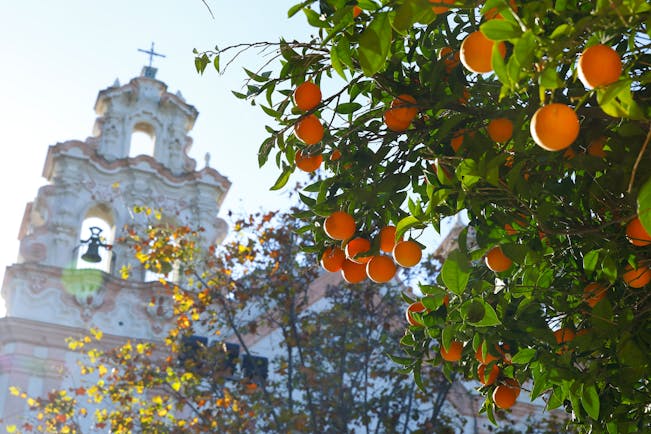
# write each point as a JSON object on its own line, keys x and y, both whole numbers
{"x": 355, "y": 259}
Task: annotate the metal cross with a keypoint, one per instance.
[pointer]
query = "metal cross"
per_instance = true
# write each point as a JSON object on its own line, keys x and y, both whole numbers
{"x": 151, "y": 53}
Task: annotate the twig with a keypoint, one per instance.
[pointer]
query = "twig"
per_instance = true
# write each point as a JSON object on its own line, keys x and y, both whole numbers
{"x": 637, "y": 161}
{"x": 208, "y": 7}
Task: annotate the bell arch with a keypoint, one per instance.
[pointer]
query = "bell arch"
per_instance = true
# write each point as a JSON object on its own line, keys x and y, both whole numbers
{"x": 96, "y": 236}
{"x": 142, "y": 140}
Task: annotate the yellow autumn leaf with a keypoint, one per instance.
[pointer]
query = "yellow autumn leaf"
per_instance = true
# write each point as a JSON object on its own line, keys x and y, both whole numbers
{"x": 102, "y": 370}
{"x": 11, "y": 428}
{"x": 14, "y": 390}
{"x": 115, "y": 185}
{"x": 140, "y": 348}
{"x": 32, "y": 402}
{"x": 97, "y": 333}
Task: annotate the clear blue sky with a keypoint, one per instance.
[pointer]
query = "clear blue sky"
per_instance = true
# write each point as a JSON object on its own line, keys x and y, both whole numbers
{"x": 56, "y": 57}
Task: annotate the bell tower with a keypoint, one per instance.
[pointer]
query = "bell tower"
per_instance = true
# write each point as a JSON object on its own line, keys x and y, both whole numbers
{"x": 51, "y": 292}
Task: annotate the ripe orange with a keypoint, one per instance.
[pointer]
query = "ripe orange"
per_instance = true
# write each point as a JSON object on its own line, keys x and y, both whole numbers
{"x": 484, "y": 360}
{"x": 457, "y": 140}
{"x": 497, "y": 261}
{"x": 465, "y": 96}
{"x": 335, "y": 155}
{"x": 453, "y": 353}
{"x": 637, "y": 278}
{"x": 307, "y": 96}
{"x": 596, "y": 147}
{"x": 356, "y": 11}
{"x": 387, "y": 238}
{"x": 554, "y": 127}
{"x": 380, "y": 269}
{"x": 593, "y": 293}
{"x": 563, "y": 335}
{"x": 500, "y": 130}
{"x": 450, "y": 58}
{"x": 407, "y": 253}
{"x": 513, "y": 383}
{"x": 353, "y": 272}
{"x": 339, "y": 225}
{"x": 492, "y": 376}
{"x": 306, "y": 162}
{"x": 414, "y": 307}
{"x": 636, "y": 234}
{"x": 599, "y": 65}
{"x": 356, "y": 248}
{"x": 309, "y": 130}
{"x": 393, "y": 123}
{"x": 332, "y": 259}
{"x": 495, "y": 12}
{"x": 476, "y": 52}
{"x": 404, "y": 108}
{"x": 441, "y": 9}
{"x": 505, "y": 395}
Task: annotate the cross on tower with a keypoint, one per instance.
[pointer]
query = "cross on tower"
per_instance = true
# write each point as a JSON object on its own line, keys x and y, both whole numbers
{"x": 149, "y": 71}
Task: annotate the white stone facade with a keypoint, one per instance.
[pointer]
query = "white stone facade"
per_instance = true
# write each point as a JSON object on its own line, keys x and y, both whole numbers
{"x": 49, "y": 294}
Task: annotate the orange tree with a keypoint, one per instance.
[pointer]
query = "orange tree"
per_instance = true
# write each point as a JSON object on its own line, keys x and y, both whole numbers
{"x": 327, "y": 368}
{"x": 569, "y": 82}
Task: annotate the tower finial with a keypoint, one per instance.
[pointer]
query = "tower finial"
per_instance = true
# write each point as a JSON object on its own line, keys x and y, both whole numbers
{"x": 149, "y": 71}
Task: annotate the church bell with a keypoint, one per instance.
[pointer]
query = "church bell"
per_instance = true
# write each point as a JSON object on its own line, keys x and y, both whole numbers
{"x": 94, "y": 243}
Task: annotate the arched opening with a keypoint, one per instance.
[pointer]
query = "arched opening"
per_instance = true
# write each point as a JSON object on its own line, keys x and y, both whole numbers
{"x": 96, "y": 236}
{"x": 143, "y": 140}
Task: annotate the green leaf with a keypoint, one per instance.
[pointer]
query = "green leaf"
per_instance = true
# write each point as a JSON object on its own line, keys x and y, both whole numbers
{"x": 500, "y": 30}
{"x": 294, "y": 9}
{"x": 549, "y": 78}
{"x": 590, "y": 401}
{"x": 523, "y": 356}
{"x": 590, "y": 261}
{"x": 524, "y": 49}
{"x": 405, "y": 224}
{"x": 490, "y": 316}
{"x": 314, "y": 18}
{"x": 348, "y": 107}
{"x": 456, "y": 272}
{"x": 374, "y": 44}
{"x": 282, "y": 179}
{"x": 644, "y": 205}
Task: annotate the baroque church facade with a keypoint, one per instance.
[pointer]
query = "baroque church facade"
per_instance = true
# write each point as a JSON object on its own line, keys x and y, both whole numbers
{"x": 52, "y": 292}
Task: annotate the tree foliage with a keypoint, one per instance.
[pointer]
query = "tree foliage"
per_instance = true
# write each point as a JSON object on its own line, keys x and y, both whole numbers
{"x": 560, "y": 217}
{"x": 327, "y": 372}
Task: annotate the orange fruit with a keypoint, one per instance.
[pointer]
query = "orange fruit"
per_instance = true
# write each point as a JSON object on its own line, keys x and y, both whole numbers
{"x": 554, "y": 127}
{"x": 593, "y": 293}
{"x": 465, "y": 96}
{"x": 484, "y": 360}
{"x": 380, "y": 269}
{"x": 356, "y": 11}
{"x": 505, "y": 395}
{"x": 407, "y": 253}
{"x": 563, "y": 335}
{"x": 404, "y": 106}
{"x": 353, "y": 272}
{"x": 358, "y": 246}
{"x": 450, "y": 58}
{"x": 453, "y": 353}
{"x": 306, "y": 162}
{"x": 495, "y": 12}
{"x": 476, "y": 52}
{"x": 596, "y": 147}
{"x": 446, "y": 300}
{"x": 514, "y": 385}
{"x": 414, "y": 307}
{"x": 335, "y": 155}
{"x": 636, "y": 234}
{"x": 637, "y": 278}
{"x": 307, "y": 96}
{"x": 497, "y": 261}
{"x": 332, "y": 259}
{"x": 457, "y": 141}
{"x": 599, "y": 65}
{"x": 441, "y": 9}
{"x": 387, "y": 238}
{"x": 492, "y": 376}
{"x": 339, "y": 225}
{"x": 309, "y": 130}
{"x": 500, "y": 130}
{"x": 393, "y": 123}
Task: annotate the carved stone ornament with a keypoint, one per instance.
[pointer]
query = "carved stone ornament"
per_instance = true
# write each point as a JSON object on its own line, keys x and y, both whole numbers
{"x": 86, "y": 287}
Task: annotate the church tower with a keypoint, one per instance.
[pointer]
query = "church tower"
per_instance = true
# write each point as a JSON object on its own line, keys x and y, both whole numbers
{"x": 53, "y": 291}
